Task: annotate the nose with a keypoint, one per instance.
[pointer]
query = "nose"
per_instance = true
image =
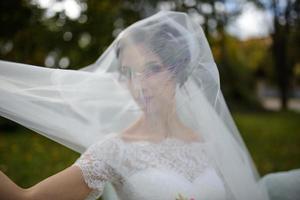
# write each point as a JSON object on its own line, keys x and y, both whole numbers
{"x": 144, "y": 91}
{"x": 142, "y": 85}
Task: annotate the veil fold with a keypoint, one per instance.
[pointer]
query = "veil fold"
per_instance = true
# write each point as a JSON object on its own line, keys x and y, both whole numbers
{"x": 78, "y": 107}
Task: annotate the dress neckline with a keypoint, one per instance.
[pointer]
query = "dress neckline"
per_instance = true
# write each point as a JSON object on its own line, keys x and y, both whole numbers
{"x": 166, "y": 141}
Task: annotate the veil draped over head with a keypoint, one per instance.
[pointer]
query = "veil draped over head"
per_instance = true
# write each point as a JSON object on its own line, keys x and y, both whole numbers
{"x": 159, "y": 69}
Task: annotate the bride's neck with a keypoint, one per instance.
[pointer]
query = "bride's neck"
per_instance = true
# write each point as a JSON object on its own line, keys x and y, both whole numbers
{"x": 160, "y": 126}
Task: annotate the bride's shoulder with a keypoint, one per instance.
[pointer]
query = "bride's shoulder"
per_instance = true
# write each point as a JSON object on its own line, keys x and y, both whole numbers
{"x": 108, "y": 144}
{"x": 114, "y": 141}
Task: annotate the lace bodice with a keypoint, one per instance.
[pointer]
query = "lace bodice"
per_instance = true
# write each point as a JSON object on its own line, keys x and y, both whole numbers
{"x": 139, "y": 170}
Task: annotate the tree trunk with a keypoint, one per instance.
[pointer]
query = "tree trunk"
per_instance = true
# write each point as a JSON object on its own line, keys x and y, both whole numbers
{"x": 279, "y": 48}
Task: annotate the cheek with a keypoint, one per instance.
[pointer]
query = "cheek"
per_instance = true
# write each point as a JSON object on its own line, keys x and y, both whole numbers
{"x": 135, "y": 91}
{"x": 162, "y": 84}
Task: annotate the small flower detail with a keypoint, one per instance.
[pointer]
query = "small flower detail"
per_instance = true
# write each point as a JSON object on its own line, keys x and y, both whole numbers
{"x": 181, "y": 197}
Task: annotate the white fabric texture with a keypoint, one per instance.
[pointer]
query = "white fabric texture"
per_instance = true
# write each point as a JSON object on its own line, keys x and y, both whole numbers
{"x": 283, "y": 185}
{"x": 148, "y": 173}
{"x": 157, "y": 81}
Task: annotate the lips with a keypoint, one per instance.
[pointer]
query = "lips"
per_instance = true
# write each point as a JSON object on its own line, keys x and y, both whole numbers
{"x": 146, "y": 98}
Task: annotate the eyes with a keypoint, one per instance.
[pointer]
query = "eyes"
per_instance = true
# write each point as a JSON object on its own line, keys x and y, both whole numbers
{"x": 150, "y": 70}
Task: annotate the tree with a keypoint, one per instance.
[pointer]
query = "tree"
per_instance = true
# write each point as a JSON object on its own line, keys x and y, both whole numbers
{"x": 286, "y": 18}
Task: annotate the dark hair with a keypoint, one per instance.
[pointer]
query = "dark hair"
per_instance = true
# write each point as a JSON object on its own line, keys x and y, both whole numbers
{"x": 167, "y": 43}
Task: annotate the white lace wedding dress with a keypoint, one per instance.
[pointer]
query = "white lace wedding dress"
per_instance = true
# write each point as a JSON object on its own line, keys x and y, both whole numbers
{"x": 141, "y": 170}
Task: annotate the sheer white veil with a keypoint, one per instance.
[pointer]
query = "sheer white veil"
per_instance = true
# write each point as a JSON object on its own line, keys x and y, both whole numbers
{"x": 78, "y": 107}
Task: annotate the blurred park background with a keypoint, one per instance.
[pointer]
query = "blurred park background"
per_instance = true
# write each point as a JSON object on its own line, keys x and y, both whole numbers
{"x": 255, "y": 43}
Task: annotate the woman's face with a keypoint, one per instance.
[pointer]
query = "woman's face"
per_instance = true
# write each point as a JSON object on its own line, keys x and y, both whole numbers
{"x": 149, "y": 81}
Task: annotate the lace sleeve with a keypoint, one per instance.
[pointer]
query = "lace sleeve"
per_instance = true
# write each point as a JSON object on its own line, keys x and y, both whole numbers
{"x": 96, "y": 166}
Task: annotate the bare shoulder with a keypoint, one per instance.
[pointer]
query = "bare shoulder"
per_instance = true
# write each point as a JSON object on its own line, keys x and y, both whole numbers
{"x": 130, "y": 136}
{"x": 192, "y": 135}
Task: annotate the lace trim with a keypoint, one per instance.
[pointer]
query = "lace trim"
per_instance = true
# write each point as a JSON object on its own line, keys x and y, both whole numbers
{"x": 186, "y": 158}
{"x": 169, "y": 140}
{"x": 96, "y": 192}
{"x": 114, "y": 159}
{"x": 94, "y": 165}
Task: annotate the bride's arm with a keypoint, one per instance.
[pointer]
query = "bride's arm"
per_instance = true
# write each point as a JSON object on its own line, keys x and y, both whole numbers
{"x": 8, "y": 189}
{"x": 67, "y": 184}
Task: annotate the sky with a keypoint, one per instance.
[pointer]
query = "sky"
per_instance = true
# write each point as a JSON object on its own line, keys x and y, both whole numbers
{"x": 251, "y": 23}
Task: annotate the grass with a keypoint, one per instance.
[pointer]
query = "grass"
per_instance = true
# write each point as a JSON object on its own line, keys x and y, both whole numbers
{"x": 27, "y": 157}
{"x": 273, "y": 139}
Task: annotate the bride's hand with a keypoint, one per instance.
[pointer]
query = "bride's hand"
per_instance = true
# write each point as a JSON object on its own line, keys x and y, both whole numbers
{"x": 67, "y": 184}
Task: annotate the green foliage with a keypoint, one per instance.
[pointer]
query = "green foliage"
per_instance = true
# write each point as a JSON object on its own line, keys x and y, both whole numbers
{"x": 28, "y": 158}
{"x": 273, "y": 139}
{"x": 35, "y": 36}
{"x": 237, "y": 69}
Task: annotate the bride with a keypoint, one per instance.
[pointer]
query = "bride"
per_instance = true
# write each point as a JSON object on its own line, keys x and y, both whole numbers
{"x": 148, "y": 118}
